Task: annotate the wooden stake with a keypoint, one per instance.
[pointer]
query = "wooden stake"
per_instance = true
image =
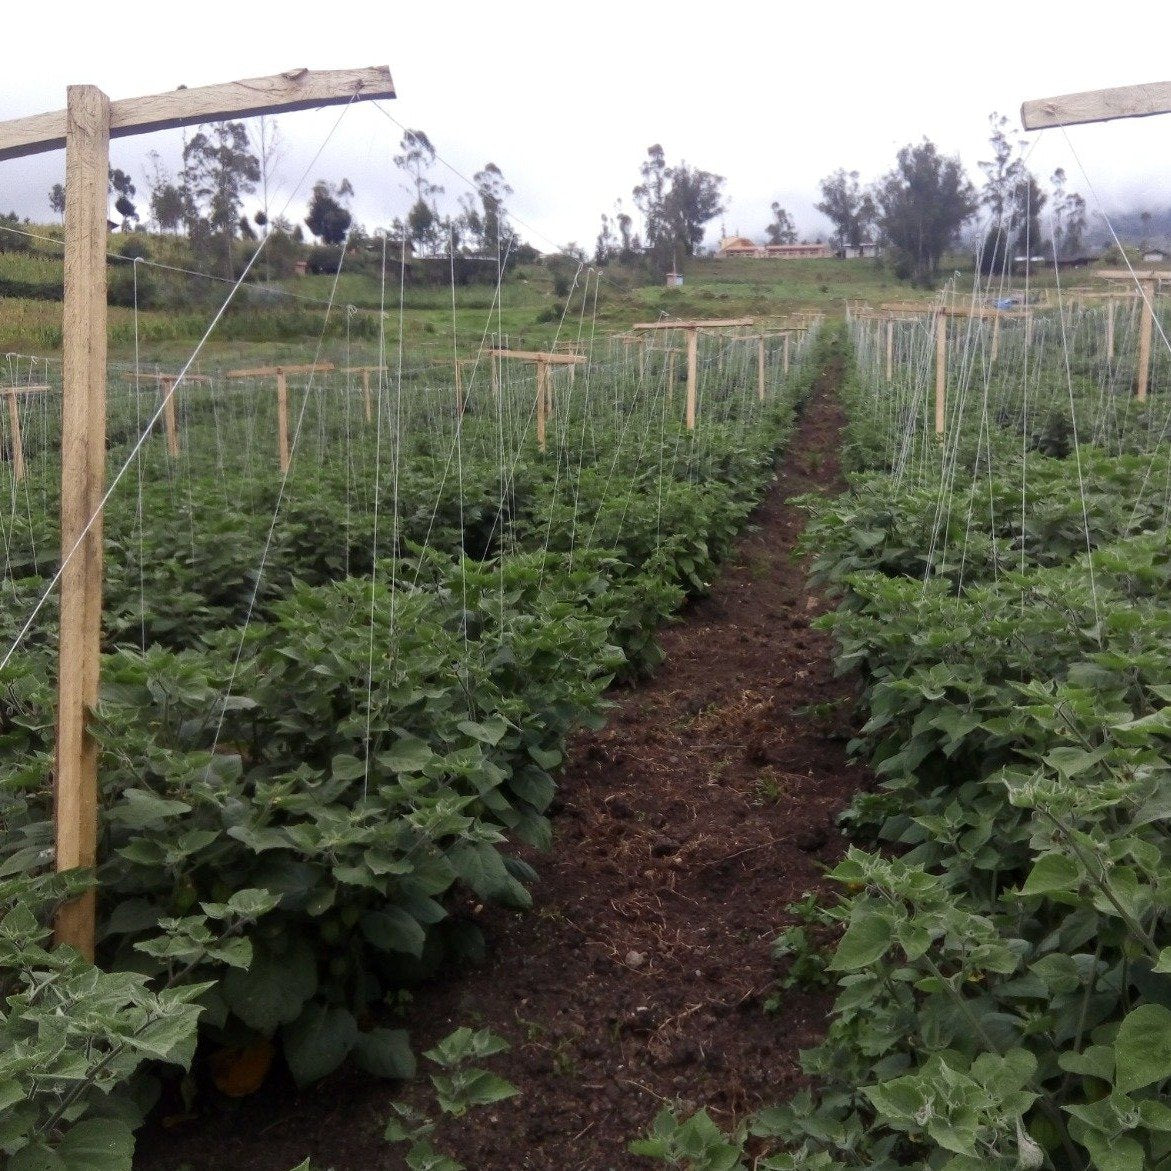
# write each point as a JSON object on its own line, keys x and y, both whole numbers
{"x": 786, "y": 357}
{"x": 940, "y": 372}
{"x": 18, "y": 465}
{"x": 1144, "y": 340}
{"x": 692, "y": 362}
{"x": 1110, "y": 331}
{"x": 282, "y": 419}
{"x": 542, "y": 392}
{"x": 83, "y": 467}
{"x": 996, "y": 337}
{"x": 543, "y": 361}
{"x": 890, "y": 350}
{"x": 760, "y": 369}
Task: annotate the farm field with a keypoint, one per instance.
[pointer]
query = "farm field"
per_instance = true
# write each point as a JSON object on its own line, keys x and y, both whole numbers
{"x": 473, "y": 782}
{"x": 335, "y": 694}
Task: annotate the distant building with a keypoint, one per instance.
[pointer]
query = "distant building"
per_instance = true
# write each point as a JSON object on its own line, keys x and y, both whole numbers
{"x": 674, "y": 280}
{"x": 1155, "y": 255}
{"x": 742, "y": 246}
{"x": 859, "y": 251}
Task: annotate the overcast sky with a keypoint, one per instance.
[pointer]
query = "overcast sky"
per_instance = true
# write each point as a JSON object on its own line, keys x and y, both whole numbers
{"x": 565, "y": 99}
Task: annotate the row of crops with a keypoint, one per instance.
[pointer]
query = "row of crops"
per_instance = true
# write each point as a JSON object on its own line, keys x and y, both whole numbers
{"x": 1000, "y": 945}
{"x": 334, "y": 701}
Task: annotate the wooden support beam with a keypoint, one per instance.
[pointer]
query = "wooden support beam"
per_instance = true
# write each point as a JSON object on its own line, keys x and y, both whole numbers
{"x": 940, "y": 373}
{"x": 83, "y": 479}
{"x": 890, "y": 349}
{"x": 722, "y": 323}
{"x": 1102, "y": 105}
{"x": 760, "y": 369}
{"x": 1146, "y": 326}
{"x": 295, "y": 89}
{"x": 692, "y": 377}
{"x": 786, "y": 357}
{"x": 167, "y": 384}
{"x": 543, "y": 360}
{"x": 549, "y": 358}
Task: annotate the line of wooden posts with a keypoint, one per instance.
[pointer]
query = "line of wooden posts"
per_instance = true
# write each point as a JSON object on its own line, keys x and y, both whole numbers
{"x": 1148, "y": 282}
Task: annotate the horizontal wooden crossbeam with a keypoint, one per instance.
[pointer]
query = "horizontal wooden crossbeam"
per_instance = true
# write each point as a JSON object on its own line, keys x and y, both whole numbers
{"x": 296, "y": 89}
{"x": 540, "y": 356}
{"x": 1139, "y": 274}
{"x": 166, "y": 378}
{"x": 272, "y": 371}
{"x": 717, "y": 324}
{"x": 1100, "y": 105}
{"x": 23, "y": 388}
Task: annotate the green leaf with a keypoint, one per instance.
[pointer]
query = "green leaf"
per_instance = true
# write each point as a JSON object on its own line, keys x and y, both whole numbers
{"x": 866, "y": 940}
{"x": 274, "y": 989}
{"x": 489, "y": 732}
{"x": 1051, "y": 872}
{"x": 94, "y": 1144}
{"x": 318, "y": 1041}
{"x": 408, "y": 755}
{"x": 345, "y": 767}
{"x": 386, "y": 1053}
{"x": 1142, "y": 1048}
{"x": 393, "y": 929}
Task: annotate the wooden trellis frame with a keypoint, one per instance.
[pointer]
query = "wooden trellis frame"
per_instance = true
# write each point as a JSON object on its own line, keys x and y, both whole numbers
{"x": 167, "y": 385}
{"x": 85, "y": 128}
{"x": 692, "y": 329}
{"x": 10, "y": 393}
{"x": 542, "y": 360}
{"x": 281, "y": 373}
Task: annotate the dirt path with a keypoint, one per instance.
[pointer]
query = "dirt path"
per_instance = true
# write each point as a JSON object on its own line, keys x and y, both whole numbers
{"x": 687, "y": 825}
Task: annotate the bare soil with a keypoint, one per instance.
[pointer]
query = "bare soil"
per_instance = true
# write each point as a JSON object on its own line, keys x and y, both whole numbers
{"x": 687, "y": 826}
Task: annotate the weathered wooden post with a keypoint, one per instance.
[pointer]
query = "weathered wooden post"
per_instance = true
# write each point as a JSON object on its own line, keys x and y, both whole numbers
{"x": 890, "y": 349}
{"x": 760, "y": 368}
{"x": 542, "y": 360}
{"x": 85, "y": 128}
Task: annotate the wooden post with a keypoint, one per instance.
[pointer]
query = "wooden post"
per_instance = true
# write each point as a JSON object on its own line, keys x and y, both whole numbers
{"x": 692, "y": 379}
{"x": 83, "y": 479}
{"x": 542, "y": 392}
{"x": 1110, "y": 330}
{"x": 495, "y": 374}
{"x": 18, "y": 464}
{"x": 543, "y": 361}
{"x": 365, "y": 371}
{"x": 168, "y": 384}
{"x": 1144, "y": 340}
{"x": 890, "y": 349}
{"x": 1148, "y": 281}
{"x": 940, "y": 372}
{"x": 281, "y": 374}
{"x": 996, "y": 337}
{"x": 786, "y": 356}
{"x": 760, "y": 369}
{"x": 14, "y": 435}
{"x": 282, "y": 419}
{"x": 84, "y": 128}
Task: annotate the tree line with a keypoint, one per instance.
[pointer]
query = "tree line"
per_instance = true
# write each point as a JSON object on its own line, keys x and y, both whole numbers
{"x": 222, "y": 164}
